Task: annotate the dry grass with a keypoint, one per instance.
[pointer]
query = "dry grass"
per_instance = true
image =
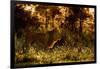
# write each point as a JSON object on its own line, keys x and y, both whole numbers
{"x": 62, "y": 54}
{"x": 70, "y": 51}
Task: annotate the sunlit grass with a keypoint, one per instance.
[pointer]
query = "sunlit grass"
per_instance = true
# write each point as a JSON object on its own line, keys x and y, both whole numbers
{"x": 65, "y": 53}
{"x": 61, "y": 54}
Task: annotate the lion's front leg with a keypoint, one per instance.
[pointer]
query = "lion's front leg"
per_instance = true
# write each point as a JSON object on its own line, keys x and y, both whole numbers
{"x": 51, "y": 45}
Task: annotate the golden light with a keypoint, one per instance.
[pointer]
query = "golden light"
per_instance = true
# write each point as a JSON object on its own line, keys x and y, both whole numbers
{"x": 27, "y": 8}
